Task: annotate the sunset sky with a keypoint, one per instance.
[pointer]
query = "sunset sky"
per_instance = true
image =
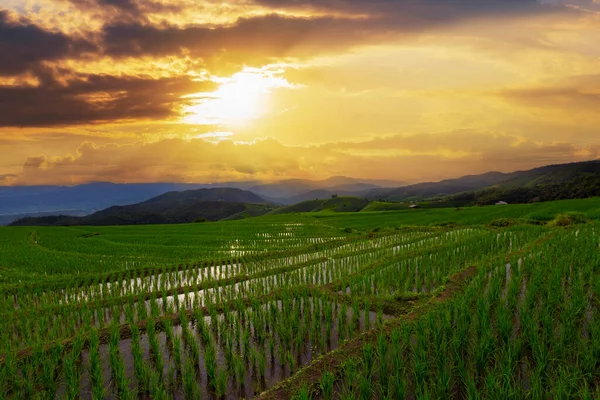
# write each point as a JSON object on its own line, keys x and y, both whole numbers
{"x": 208, "y": 91}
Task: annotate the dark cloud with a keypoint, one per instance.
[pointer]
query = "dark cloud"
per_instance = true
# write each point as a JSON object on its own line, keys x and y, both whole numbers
{"x": 34, "y": 161}
{"x": 249, "y": 41}
{"x": 128, "y": 10}
{"x": 95, "y": 98}
{"x": 128, "y": 33}
{"x": 249, "y": 38}
{"x": 433, "y": 10}
{"x": 24, "y": 45}
{"x": 276, "y": 35}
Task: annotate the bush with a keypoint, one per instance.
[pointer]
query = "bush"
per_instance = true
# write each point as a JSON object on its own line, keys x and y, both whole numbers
{"x": 568, "y": 219}
{"x": 502, "y": 222}
{"x": 200, "y": 220}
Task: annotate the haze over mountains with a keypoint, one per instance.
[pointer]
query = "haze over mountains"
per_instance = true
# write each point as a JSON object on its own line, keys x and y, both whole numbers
{"x": 292, "y": 191}
{"x": 172, "y": 207}
{"x": 85, "y": 199}
{"x": 21, "y": 201}
{"x": 187, "y": 202}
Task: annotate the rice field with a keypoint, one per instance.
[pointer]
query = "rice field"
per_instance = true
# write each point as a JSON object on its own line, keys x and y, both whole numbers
{"x": 293, "y": 307}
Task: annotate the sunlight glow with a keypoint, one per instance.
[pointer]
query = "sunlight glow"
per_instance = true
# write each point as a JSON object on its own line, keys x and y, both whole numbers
{"x": 239, "y": 99}
{"x": 213, "y": 137}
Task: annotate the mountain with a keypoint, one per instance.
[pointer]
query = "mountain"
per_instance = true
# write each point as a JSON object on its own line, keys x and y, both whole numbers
{"x": 172, "y": 207}
{"x": 87, "y": 198}
{"x": 8, "y": 218}
{"x": 20, "y": 201}
{"x": 427, "y": 190}
{"x": 551, "y": 182}
{"x": 287, "y": 191}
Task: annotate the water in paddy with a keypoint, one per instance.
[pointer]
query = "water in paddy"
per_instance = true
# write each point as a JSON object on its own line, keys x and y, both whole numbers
{"x": 278, "y": 363}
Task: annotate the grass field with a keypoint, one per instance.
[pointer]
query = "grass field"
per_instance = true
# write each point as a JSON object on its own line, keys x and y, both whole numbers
{"x": 487, "y": 302}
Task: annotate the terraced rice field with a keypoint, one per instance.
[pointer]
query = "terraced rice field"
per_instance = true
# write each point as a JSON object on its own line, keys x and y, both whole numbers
{"x": 288, "y": 307}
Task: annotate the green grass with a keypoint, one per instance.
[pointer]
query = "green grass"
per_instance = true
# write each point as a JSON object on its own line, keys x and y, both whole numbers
{"x": 535, "y": 212}
{"x": 385, "y": 206}
{"x": 336, "y": 204}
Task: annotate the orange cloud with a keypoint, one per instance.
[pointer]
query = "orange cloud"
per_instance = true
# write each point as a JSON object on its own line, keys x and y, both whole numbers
{"x": 426, "y": 156}
{"x": 101, "y": 93}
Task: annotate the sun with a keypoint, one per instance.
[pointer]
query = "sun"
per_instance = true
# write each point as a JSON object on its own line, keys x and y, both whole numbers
{"x": 239, "y": 99}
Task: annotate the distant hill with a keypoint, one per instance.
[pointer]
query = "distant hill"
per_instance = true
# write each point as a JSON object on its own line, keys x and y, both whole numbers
{"x": 168, "y": 208}
{"x": 322, "y": 194}
{"x": 87, "y": 198}
{"x": 428, "y": 190}
{"x": 560, "y": 174}
{"x": 552, "y": 182}
{"x": 543, "y": 188}
{"x": 289, "y": 191}
{"x": 337, "y": 204}
{"x": 22, "y": 201}
{"x": 8, "y": 218}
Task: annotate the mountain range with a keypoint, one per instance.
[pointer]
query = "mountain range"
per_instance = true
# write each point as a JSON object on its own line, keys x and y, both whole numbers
{"x": 229, "y": 200}
{"x": 534, "y": 180}
{"x": 292, "y": 191}
{"x": 22, "y": 201}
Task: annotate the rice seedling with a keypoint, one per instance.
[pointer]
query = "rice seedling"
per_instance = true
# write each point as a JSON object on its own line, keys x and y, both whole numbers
{"x": 326, "y": 385}
{"x": 526, "y": 325}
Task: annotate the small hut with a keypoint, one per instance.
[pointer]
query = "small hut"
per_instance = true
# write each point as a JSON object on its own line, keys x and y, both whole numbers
{"x": 413, "y": 206}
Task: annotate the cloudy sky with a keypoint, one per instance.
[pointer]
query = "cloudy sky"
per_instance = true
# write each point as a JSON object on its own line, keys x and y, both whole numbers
{"x": 206, "y": 91}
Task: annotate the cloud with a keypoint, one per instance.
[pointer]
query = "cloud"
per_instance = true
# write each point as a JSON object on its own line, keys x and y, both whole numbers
{"x": 579, "y": 94}
{"x": 126, "y": 10}
{"x": 7, "y": 179}
{"x": 35, "y": 162}
{"x": 130, "y": 30}
{"x": 24, "y": 45}
{"x": 428, "y": 66}
{"x": 247, "y": 41}
{"x": 276, "y": 35}
{"x": 400, "y": 157}
{"x": 68, "y": 97}
{"x": 430, "y": 10}
{"x": 94, "y": 98}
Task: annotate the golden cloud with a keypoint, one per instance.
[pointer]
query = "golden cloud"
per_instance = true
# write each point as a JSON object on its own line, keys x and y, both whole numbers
{"x": 398, "y": 157}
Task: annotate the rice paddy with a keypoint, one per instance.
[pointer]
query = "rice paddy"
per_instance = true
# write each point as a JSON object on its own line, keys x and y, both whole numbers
{"x": 293, "y": 307}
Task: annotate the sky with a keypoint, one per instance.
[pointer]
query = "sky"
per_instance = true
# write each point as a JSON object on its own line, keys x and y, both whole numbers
{"x": 212, "y": 91}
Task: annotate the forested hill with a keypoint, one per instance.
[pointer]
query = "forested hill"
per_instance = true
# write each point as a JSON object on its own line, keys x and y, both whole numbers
{"x": 551, "y": 182}
{"x": 576, "y": 187}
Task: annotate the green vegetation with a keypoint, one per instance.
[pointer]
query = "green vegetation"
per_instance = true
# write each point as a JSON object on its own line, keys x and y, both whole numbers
{"x": 548, "y": 183}
{"x": 534, "y": 213}
{"x": 526, "y": 326}
{"x": 484, "y": 302}
{"x": 336, "y": 204}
